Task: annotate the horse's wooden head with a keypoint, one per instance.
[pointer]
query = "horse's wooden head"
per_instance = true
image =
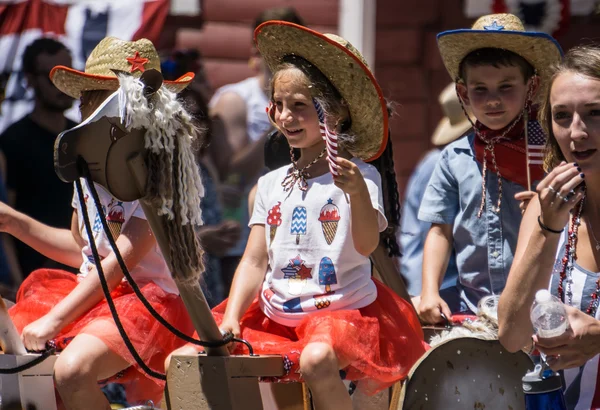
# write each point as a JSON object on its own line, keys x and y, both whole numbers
{"x": 106, "y": 145}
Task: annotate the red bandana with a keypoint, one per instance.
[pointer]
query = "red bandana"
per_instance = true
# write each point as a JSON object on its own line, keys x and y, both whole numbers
{"x": 509, "y": 152}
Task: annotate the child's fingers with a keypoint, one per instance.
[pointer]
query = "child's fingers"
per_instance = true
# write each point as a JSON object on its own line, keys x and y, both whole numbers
{"x": 344, "y": 163}
{"x": 446, "y": 310}
{"x": 525, "y": 195}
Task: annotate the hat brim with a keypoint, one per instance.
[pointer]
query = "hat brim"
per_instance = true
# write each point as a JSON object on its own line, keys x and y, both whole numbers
{"x": 73, "y": 82}
{"x": 446, "y": 132}
{"x": 539, "y": 49}
{"x": 348, "y": 74}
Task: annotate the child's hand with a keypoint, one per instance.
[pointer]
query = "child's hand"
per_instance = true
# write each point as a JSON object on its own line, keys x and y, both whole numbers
{"x": 230, "y": 326}
{"x": 431, "y": 307}
{"x": 524, "y": 197}
{"x": 36, "y": 334}
{"x": 349, "y": 179}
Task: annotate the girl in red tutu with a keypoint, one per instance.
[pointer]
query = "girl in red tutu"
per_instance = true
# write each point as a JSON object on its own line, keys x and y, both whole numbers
{"x": 316, "y": 222}
{"x": 70, "y": 309}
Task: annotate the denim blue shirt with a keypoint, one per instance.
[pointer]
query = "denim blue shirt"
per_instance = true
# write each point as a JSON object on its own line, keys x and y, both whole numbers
{"x": 484, "y": 246}
{"x": 413, "y": 232}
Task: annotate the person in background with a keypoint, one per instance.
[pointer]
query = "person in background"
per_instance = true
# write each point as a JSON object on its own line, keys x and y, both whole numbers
{"x": 413, "y": 232}
{"x": 27, "y": 147}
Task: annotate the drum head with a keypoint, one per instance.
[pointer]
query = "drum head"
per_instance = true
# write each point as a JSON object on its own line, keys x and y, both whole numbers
{"x": 466, "y": 373}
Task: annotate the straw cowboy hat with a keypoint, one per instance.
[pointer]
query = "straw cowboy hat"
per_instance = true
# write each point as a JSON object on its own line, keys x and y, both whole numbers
{"x": 504, "y": 31}
{"x": 110, "y": 54}
{"x": 455, "y": 123}
{"x": 345, "y": 68}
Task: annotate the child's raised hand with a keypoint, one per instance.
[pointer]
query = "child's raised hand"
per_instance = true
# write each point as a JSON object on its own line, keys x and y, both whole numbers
{"x": 349, "y": 178}
{"x": 524, "y": 197}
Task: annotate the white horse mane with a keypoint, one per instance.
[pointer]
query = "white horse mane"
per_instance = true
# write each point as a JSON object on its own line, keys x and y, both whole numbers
{"x": 166, "y": 122}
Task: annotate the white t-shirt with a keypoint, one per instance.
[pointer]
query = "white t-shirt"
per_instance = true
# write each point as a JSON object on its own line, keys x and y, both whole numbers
{"x": 313, "y": 264}
{"x": 257, "y": 121}
{"x": 152, "y": 267}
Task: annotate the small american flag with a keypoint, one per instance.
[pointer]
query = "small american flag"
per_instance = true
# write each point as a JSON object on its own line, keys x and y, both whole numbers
{"x": 330, "y": 138}
{"x": 536, "y": 141}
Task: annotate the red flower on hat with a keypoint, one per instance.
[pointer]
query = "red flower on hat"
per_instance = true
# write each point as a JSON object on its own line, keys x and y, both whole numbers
{"x": 137, "y": 62}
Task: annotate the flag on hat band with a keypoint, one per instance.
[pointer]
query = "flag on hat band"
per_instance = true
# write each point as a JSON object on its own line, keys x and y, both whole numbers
{"x": 331, "y": 140}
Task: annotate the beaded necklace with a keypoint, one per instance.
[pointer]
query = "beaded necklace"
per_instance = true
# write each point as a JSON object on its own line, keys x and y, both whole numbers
{"x": 568, "y": 262}
{"x": 298, "y": 176}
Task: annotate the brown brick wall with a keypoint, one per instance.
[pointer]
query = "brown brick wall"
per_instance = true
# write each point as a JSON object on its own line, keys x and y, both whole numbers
{"x": 226, "y": 34}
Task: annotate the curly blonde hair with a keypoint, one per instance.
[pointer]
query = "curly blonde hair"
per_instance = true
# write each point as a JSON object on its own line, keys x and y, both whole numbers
{"x": 584, "y": 60}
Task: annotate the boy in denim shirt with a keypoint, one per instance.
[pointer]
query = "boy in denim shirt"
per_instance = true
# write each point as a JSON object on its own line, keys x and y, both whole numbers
{"x": 473, "y": 198}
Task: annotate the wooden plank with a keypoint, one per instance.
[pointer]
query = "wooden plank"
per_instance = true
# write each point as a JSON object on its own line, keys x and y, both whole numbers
{"x": 202, "y": 382}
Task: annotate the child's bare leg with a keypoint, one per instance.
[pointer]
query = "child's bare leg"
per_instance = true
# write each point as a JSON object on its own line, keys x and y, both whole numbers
{"x": 79, "y": 367}
{"x": 320, "y": 368}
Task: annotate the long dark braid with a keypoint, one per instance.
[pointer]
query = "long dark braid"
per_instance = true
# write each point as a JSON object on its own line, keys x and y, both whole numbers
{"x": 391, "y": 198}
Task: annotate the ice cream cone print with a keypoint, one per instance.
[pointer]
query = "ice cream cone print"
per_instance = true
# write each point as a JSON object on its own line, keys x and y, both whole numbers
{"x": 296, "y": 285}
{"x": 329, "y": 218}
{"x": 115, "y": 218}
{"x": 298, "y": 222}
{"x": 274, "y": 220}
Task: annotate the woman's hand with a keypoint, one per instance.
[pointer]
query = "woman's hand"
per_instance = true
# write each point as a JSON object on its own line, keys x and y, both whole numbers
{"x": 558, "y": 193}
{"x": 576, "y": 346}
{"x": 37, "y": 333}
{"x": 231, "y": 326}
{"x": 349, "y": 178}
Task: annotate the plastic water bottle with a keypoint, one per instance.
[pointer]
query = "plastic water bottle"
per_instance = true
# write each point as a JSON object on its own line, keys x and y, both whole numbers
{"x": 548, "y": 315}
{"x": 543, "y": 387}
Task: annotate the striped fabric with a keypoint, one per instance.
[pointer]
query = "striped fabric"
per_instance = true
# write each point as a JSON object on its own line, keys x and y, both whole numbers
{"x": 582, "y": 384}
{"x": 331, "y": 140}
{"x": 536, "y": 141}
{"x": 80, "y": 25}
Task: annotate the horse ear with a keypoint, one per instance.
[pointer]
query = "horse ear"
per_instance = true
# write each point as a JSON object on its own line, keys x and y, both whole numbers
{"x": 152, "y": 80}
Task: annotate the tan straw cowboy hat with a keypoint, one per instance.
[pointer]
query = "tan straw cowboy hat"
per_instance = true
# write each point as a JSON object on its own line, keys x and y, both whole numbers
{"x": 454, "y": 124}
{"x": 345, "y": 68}
{"x": 503, "y": 31}
{"x": 110, "y": 54}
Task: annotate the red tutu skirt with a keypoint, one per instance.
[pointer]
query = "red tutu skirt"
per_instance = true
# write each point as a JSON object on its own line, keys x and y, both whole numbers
{"x": 381, "y": 341}
{"x": 44, "y": 288}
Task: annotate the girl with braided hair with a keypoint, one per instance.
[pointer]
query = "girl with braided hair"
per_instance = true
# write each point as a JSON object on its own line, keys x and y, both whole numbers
{"x": 315, "y": 224}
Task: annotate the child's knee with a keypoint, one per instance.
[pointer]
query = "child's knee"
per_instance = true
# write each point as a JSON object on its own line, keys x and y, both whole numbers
{"x": 71, "y": 370}
{"x": 318, "y": 361}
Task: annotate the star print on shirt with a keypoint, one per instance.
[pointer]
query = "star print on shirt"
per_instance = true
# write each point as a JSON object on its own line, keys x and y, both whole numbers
{"x": 137, "y": 62}
{"x": 297, "y": 262}
{"x": 304, "y": 272}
